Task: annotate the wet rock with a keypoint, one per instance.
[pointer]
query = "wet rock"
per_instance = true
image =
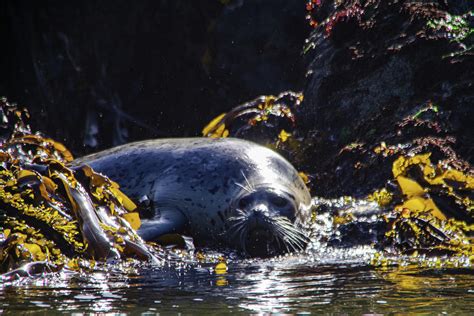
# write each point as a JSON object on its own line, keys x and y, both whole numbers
{"x": 391, "y": 72}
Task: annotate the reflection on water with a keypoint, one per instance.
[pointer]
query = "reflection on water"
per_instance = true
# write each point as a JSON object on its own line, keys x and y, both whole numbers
{"x": 333, "y": 280}
{"x": 289, "y": 285}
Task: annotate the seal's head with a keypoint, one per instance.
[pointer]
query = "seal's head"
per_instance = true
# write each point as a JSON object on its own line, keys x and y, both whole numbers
{"x": 268, "y": 221}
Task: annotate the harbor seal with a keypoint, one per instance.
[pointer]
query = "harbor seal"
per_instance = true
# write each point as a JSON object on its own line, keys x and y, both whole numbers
{"x": 222, "y": 192}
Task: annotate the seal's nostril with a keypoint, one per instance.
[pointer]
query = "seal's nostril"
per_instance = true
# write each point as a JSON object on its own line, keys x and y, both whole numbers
{"x": 260, "y": 210}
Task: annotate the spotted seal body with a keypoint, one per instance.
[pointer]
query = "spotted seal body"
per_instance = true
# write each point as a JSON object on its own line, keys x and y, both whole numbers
{"x": 226, "y": 192}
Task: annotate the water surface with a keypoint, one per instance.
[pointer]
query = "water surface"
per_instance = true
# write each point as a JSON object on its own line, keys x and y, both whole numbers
{"x": 294, "y": 284}
{"x": 325, "y": 279}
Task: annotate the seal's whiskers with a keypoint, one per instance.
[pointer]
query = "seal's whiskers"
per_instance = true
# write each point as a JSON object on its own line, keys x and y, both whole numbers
{"x": 286, "y": 234}
{"x": 249, "y": 184}
{"x": 243, "y": 187}
{"x": 290, "y": 233}
{"x": 280, "y": 237}
{"x": 288, "y": 242}
{"x": 237, "y": 228}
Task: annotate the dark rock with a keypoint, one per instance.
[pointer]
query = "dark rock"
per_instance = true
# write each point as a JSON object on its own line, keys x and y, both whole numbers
{"x": 378, "y": 69}
{"x": 359, "y": 233}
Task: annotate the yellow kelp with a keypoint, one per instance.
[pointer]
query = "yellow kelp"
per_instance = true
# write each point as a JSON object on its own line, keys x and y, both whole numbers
{"x": 269, "y": 113}
{"x": 439, "y": 181}
{"x": 53, "y": 213}
{"x": 433, "y": 212}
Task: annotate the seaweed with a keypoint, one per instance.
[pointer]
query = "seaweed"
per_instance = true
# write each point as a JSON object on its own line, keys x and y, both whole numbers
{"x": 51, "y": 212}
{"x": 419, "y": 224}
{"x": 258, "y": 119}
{"x": 427, "y": 209}
{"x": 269, "y": 120}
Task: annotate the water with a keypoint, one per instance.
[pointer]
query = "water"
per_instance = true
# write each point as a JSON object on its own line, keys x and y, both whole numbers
{"x": 292, "y": 285}
{"x": 324, "y": 280}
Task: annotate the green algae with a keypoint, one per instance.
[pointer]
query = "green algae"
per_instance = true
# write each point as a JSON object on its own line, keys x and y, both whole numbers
{"x": 455, "y": 27}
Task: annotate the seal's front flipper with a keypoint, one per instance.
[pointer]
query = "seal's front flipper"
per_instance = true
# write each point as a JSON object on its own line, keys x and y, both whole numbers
{"x": 168, "y": 222}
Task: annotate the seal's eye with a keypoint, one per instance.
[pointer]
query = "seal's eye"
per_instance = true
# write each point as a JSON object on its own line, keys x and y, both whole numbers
{"x": 278, "y": 201}
{"x": 244, "y": 202}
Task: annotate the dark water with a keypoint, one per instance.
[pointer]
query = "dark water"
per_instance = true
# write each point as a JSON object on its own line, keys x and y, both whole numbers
{"x": 323, "y": 280}
{"x": 292, "y": 285}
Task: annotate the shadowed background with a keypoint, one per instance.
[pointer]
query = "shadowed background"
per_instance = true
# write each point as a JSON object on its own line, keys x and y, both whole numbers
{"x": 97, "y": 74}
